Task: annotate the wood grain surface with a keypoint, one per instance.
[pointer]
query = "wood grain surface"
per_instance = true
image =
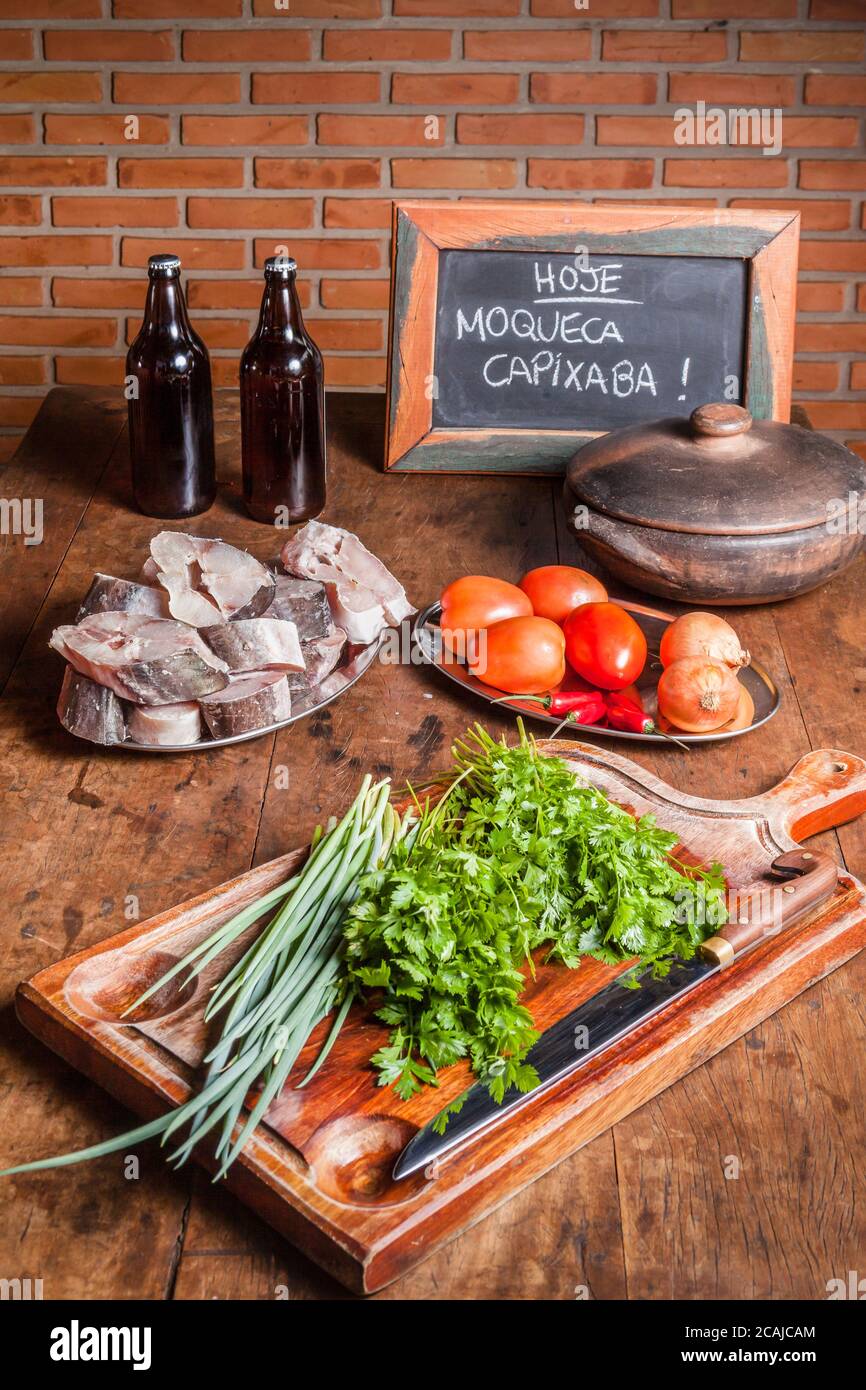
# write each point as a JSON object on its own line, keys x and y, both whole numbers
{"x": 90, "y": 838}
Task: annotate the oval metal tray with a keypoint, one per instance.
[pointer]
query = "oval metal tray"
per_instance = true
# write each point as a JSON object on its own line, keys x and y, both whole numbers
{"x": 653, "y": 622}
{"x": 332, "y": 687}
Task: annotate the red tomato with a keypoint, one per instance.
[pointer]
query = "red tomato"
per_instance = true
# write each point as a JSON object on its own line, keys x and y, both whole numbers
{"x": 522, "y": 656}
{"x": 476, "y": 602}
{"x": 605, "y": 645}
{"x": 556, "y": 590}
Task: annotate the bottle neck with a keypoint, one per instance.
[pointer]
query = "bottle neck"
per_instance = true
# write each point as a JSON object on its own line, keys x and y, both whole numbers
{"x": 165, "y": 306}
{"x": 280, "y": 315}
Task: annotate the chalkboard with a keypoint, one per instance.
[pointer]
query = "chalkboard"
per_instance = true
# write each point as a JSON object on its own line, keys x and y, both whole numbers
{"x": 592, "y": 342}
{"x": 520, "y": 329}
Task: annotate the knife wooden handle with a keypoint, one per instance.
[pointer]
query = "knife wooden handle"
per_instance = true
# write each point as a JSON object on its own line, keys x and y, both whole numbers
{"x": 764, "y": 909}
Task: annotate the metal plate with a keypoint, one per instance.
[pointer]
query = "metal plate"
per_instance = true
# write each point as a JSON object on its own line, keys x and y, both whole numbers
{"x": 653, "y": 622}
{"x": 332, "y": 687}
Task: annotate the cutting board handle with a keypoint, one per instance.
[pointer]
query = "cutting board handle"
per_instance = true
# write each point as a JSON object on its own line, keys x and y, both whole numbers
{"x": 824, "y": 789}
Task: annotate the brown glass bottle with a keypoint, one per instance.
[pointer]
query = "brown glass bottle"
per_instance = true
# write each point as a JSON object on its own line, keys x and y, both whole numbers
{"x": 170, "y": 403}
{"x": 282, "y": 407}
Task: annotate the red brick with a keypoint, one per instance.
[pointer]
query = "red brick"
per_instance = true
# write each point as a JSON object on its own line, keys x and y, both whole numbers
{"x": 453, "y": 173}
{"x": 663, "y": 45}
{"x": 830, "y": 337}
{"x": 22, "y": 371}
{"x": 333, "y": 253}
{"x": 836, "y": 415}
{"x": 861, "y": 298}
{"x": 88, "y": 293}
{"x": 224, "y": 372}
{"x": 317, "y": 173}
{"x": 347, "y": 335}
{"x": 104, "y": 130}
{"x": 839, "y": 90}
{"x": 324, "y": 9}
{"x": 324, "y": 88}
{"x": 734, "y": 88}
{"x": 590, "y": 173}
{"x": 55, "y": 330}
{"x": 816, "y": 215}
{"x": 833, "y": 173}
{"x": 17, "y": 130}
{"x": 836, "y": 9}
{"x": 20, "y": 210}
{"x": 195, "y": 255}
{"x": 471, "y": 9}
{"x": 247, "y": 214}
{"x": 833, "y": 255}
{"x": 801, "y": 46}
{"x": 820, "y": 296}
{"x": 519, "y": 46}
{"x": 454, "y": 89}
{"x": 816, "y": 376}
{"x": 797, "y": 131}
{"x": 180, "y": 173}
{"x": 857, "y": 380}
{"x": 16, "y": 45}
{"x": 18, "y": 410}
{"x": 245, "y": 130}
{"x": 279, "y": 45}
{"x": 734, "y": 9}
{"x": 55, "y": 250}
{"x": 176, "y": 88}
{"x": 354, "y": 294}
{"x": 857, "y": 445}
{"x": 108, "y": 46}
{"x": 114, "y": 212}
{"x": 355, "y": 371}
{"x": 50, "y": 9}
{"x": 593, "y": 88}
{"x": 177, "y": 9}
{"x": 44, "y": 86}
{"x": 673, "y": 200}
{"x": 53, "y": 171}
{"x": 234, "y": 294}
{"x": 89, "y": 371}
{"x": 375, "y": 132}
{"x": 635, "y": 130}
{"x": 597, "y": 9}
{"x": 386, "y": 45}
{"x": 520, "y": 130}
{"x": 726, "y": 173}
{"x": 837, "y": 132}
{"x": 20, "y": 290}
{"x": 358, "y": 214}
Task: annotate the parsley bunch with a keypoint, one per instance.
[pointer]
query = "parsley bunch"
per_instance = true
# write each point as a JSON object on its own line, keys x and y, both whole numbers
{"x": 517, "y": 853}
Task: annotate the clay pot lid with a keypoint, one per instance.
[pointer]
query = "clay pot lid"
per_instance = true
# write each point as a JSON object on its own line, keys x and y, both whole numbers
{"x": 717, "y": 472}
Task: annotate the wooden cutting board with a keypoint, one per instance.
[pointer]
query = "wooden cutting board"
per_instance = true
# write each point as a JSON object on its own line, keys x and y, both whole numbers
{"x": 319, "y": 1170}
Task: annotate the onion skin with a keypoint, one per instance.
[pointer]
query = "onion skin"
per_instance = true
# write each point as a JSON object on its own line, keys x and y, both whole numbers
{"x": 702, "y": 634}
{"x": 698, "y": 695}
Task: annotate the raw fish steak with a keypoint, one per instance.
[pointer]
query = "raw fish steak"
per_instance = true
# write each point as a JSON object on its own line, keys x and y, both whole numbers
{"x": 248, "y": 702}
{"x": 256, "y": 644}
{"x": 89, "y": 710}
{"x": 209, "y": 581}
{"x": 321, "y": 657}
{"x": 150, "y": 661}
{"x": 304, "y": 603}
{"x": 364, "y": 596}
{"x": 109, "y": 595}
{"x": 165, "y": 724}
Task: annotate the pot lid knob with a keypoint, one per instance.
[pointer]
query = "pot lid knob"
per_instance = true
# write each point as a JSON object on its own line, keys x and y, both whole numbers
{"x": 720, "y": 419}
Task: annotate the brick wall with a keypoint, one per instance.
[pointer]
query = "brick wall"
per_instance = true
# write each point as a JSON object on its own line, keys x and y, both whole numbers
{"x": 273, "y": 122}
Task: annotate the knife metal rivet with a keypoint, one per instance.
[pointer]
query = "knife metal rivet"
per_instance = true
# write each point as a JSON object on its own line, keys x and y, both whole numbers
{"x": 789, "y": 888}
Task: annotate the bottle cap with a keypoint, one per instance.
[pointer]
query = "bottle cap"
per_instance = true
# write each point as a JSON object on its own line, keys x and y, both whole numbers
{"x": 280, "y": 265}
{"x": 163, "y": 264}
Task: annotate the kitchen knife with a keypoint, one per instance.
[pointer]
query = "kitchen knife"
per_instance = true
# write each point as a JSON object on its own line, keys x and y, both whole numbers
{"x": 754, "y": 914}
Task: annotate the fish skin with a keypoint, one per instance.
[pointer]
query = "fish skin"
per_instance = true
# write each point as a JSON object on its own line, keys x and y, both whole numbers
{"x": 209, "y": 581}
{"x": 89, "y": 710}
{"x": 303, "y": 602}
{"x": 256, "y": 644}
{"x": 363, "y": 594}
{"x": 149, "y": 661}
{"x": 250, "y": 701}
{"x": 109, "y": 595}
{"x": 322, "y": 656}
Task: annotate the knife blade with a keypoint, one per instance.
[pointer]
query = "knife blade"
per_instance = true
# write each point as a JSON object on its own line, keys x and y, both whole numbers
{"x": 616, "y": 1011}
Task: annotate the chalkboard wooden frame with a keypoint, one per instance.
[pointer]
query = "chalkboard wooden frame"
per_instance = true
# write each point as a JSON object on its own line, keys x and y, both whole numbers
{"x": 422, "y": 229}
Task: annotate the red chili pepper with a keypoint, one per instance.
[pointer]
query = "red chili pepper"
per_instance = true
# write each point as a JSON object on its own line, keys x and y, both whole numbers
{"x": 626, "y": 717}
{"x": 571, "y": 703}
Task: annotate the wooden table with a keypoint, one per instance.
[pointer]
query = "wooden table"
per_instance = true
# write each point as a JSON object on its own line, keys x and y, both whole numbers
{"x": 91, "y": 838}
